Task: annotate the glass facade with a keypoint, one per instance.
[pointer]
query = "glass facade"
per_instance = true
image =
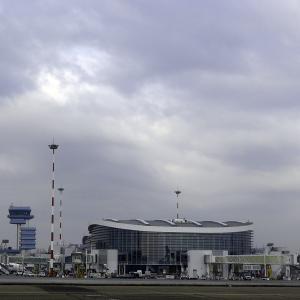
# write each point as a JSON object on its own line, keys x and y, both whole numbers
{"x": 165, "y": 248}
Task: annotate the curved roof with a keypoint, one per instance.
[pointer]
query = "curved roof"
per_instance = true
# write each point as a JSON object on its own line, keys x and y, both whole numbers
{"x": 176, "y": 226}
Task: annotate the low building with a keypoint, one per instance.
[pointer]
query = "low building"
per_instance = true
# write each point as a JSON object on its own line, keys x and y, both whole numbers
{"x": 209, "y": 264}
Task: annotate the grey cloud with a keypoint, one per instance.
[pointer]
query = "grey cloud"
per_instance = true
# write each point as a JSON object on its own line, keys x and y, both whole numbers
{"x": 263, "y": 157}
{"x": 200, "y": 94}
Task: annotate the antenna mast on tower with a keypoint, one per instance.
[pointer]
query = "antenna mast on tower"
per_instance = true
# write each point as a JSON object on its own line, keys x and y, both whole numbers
{"x": 177, "y": 192}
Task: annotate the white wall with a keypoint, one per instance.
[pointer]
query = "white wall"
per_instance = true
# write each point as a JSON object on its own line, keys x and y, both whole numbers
{"x": 112, "y": 261}
{"x": 107, "y": 260}
{"x": 196, "y": 264}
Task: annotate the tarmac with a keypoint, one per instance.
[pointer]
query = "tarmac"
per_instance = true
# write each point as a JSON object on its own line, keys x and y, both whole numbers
{"x": 50, "y": 291}
{"x": 25, "y": 288}
{"x": 18, "y": 280}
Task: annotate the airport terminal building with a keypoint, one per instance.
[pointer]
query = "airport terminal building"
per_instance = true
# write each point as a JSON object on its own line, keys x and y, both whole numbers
{"x": 156, "y": 244}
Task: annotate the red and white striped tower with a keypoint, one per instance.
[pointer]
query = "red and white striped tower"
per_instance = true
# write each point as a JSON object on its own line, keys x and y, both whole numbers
{"x": 61, "y": 252}
{"x": 52, "y": 147}
{"x": 61, "y": 189}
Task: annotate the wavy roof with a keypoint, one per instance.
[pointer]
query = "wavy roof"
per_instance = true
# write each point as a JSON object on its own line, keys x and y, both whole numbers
{"x": 176, "y": 225}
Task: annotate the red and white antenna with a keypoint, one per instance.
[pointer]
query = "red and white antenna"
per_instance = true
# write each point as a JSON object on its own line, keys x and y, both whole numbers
{"x": 52, "y": 147}
{"x": 61, "y": 189}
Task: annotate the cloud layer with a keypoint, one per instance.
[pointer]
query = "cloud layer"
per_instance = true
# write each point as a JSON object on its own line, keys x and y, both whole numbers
{"x": 147, "y": 96}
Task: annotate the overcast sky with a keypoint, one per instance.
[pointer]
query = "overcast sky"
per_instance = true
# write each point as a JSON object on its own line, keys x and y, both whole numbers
{"x": 145, "y": 97}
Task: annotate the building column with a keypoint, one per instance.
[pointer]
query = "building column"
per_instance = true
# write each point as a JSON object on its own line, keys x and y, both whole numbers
{"x": 225, "y": 271}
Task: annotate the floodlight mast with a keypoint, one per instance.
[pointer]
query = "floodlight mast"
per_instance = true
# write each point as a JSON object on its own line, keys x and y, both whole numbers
{"x": 52, "y": 147}
{"x": 177, "y": 192}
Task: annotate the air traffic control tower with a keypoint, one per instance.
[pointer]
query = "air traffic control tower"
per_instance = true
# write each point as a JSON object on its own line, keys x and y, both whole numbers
{"x": 20, "y": 216}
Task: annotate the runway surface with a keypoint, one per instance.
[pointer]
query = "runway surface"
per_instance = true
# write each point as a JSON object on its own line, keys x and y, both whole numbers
{"x": 66, "y": 292}
{"x": 145, "y": 282}
{"x": 116, "y": 289}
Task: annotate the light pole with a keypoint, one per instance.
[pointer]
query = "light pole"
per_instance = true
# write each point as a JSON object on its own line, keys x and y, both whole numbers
{"x": 52, "y": 147}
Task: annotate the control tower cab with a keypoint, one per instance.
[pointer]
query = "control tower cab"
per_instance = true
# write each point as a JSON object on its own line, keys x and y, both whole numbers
{"x": 19, "y": 214}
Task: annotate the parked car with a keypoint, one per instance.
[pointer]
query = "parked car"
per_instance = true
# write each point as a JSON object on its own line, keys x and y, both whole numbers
{"x": 286, "y": 278}
{"x": 28, "y": 274}
{"x": 42, "y": 274}
{"x": 247, "y": 277}
{"x": 95, "y": 275}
